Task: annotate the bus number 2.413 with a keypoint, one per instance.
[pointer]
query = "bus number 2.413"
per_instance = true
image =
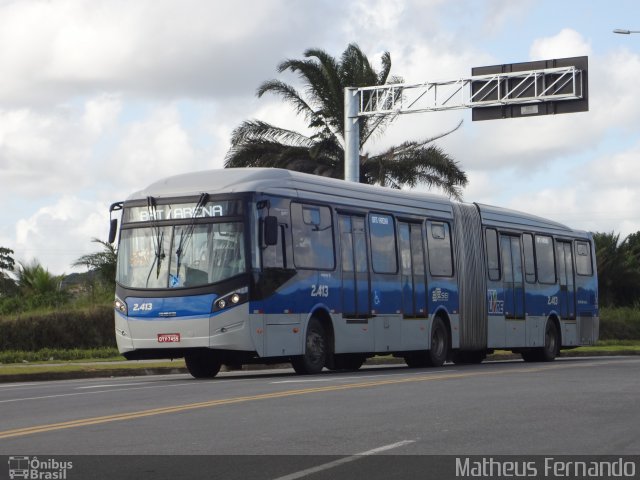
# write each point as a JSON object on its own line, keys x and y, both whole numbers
{"x": 142, "y": 307}
{"x": 319, "y": 290}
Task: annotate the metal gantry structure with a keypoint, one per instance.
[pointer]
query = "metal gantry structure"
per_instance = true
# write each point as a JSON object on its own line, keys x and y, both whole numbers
{"x": 526, "y": 88}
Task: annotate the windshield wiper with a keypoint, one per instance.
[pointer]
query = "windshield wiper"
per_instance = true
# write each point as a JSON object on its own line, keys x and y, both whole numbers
{"x": 158, "y": 239}
{"x": 187, "y": 233}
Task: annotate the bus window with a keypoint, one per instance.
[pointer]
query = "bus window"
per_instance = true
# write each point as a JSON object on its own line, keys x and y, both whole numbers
{"x": 439, "y": 244}
{"x": 493, "y": 260}
{"x": 274, "y": 256}
{"x": 583, "y": 259}
{"x": 346, "y": 242}
{"x": 545, "y": 261}
{"x": 405, "y": 249}
{"x": 529, "y": 259}
{"x": 383, "y": 243}
{"x": 312, "y": 231}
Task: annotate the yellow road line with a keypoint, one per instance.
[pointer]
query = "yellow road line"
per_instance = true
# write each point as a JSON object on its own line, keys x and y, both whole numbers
{"x": 18, "y": 432}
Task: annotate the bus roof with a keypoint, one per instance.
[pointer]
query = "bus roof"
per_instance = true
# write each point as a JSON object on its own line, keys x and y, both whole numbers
{"x": 289, "y": 183}
{"x": 277, "y": 181}
{"x": 506, "y": 218}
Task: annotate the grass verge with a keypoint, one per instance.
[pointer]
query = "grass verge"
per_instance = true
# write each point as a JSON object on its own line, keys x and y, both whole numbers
{"x": 45, "y": 371}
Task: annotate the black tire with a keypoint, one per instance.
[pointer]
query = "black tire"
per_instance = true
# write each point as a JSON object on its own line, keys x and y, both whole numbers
{"x": 438, "y": 351}
{"x": 417, "y": 360}
{"x": 530, "y": 355}
{"x": 551, "y": 347}
{"x": 202, "y": 364}
{"x": 469, "y": 358}
{"x": 315, "y": 352}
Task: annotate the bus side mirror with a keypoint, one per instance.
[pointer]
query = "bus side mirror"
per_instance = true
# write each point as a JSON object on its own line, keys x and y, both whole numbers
{"x": 270, "y": 230}
{"x": 113, "y": 228}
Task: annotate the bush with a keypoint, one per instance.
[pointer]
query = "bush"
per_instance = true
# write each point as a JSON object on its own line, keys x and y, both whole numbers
{"x": 622, "y": 323}
{"x": 33, "y": 301}
{"x": 84, "y": 329}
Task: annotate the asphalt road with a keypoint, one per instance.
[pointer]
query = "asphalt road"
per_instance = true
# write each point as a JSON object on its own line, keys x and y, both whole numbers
{"x": 577, "y": 406}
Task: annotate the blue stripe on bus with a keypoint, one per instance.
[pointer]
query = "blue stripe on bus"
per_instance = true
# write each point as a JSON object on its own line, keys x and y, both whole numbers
{"x": 145, "y": 308}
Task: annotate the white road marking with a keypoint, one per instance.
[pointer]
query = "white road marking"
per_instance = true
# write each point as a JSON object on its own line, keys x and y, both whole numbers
{"x": 11, "y": 400}
{"x": 342, "y": 461}
{"x": 116, "y": 385}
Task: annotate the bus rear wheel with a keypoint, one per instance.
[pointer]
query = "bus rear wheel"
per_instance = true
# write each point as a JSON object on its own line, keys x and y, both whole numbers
{"x": 437, "y": 354}
{"x": 313, "y": 359}
{"x": 202, "y": 364}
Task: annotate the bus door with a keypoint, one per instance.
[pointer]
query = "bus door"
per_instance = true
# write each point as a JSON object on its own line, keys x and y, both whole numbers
{"x": 513, "y": 284}
{"x": 567, "y": 300}
{"x": 412, "y": 271}
{"x": 355, "y": 271}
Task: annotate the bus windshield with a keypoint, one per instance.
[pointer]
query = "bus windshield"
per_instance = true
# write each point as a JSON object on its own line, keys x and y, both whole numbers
{"x": 180, "y": 256}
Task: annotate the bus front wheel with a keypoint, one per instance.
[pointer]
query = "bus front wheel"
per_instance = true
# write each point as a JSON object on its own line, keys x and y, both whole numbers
{"x": 315, "y": 352}
{"x": 202, "y": 364}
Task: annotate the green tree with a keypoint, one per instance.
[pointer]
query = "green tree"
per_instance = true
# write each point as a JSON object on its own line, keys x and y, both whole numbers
{"x": 6, "y": 260}
{"x": 34, "y": 279}
{"x": 39, "y": 288}
{"x": 103, "y": 263}
{"x": 7, "y": 263}
{"x": 259, "y": 144}
{"x": 618, "y": 268}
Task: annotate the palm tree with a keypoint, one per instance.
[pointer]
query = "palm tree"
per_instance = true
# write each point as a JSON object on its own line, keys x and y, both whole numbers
{"x": 34, "y": 279}
{"x": 102, "y": 262}
{"x": 259, "y": 144}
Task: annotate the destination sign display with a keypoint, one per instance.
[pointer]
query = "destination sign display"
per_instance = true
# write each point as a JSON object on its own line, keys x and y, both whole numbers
{"x": 181, "y": 211}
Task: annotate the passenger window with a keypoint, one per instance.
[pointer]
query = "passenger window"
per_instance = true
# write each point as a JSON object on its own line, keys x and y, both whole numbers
{"x": 493, "y": 261}
{"x": 439, "y": 247}
{"x": 584, "y": 265}
{"x": 312, "y": 231}
{"x": 529, "y": 259}
{"x": 545, "y": 261}
{"x": 383, "y": 243}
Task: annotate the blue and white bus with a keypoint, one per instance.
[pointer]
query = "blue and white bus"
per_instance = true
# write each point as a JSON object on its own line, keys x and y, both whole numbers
{"x": 240, "y": 266}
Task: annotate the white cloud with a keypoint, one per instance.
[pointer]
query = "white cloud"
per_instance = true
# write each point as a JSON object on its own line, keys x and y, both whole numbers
{"x": 101, "y": 113}
{"x": 619, "y": 170}
{"x": 154, "y": 147}
{"x": 60, "y": 233}
{"x": 50, "y": 51}
{"x": 42, "y": 150}
{"x": 567, "y": 43}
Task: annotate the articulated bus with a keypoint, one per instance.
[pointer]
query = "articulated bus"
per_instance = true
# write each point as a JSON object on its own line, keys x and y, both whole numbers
{"x": 240, "y": 266}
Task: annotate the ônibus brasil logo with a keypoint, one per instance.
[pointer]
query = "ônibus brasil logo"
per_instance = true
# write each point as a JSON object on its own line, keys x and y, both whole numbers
{"x": 38, "y": 469}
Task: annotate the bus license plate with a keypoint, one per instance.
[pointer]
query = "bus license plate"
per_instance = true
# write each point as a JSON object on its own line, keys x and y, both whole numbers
{"x": 168, "y": 337}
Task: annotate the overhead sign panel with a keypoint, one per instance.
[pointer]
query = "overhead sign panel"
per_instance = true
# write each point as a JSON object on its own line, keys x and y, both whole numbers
{"x": 544, "y": 87}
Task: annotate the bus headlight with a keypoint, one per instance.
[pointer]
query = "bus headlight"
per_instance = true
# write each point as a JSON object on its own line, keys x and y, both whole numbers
{"x": 231, "y": 299}
{"x": 120, "y": 306}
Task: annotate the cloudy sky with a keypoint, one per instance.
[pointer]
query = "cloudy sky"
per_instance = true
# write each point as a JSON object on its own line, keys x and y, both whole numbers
{"x": 99, "y": 98}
